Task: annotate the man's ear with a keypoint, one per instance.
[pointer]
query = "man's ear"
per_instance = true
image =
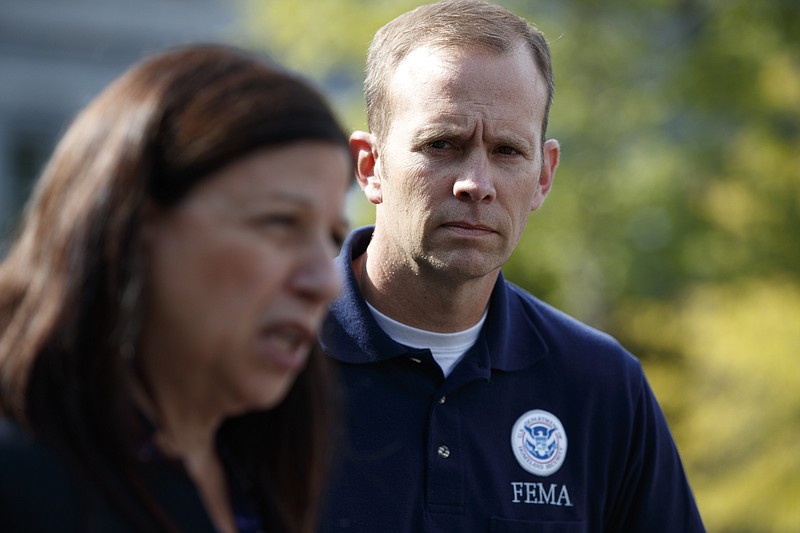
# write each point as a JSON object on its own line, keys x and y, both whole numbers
{"x": 551, "y": 152}
{"x": 365, "y": 154}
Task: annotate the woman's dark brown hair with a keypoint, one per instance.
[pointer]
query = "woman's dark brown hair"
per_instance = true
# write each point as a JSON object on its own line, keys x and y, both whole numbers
{"x": 70, "y": 287}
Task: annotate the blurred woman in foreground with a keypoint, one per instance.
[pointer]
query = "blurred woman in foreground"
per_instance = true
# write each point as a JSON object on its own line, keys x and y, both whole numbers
{"x": 159, "y": 309}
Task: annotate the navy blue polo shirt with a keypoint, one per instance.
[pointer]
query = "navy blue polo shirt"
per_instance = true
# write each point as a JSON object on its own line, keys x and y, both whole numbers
{"x": 545, "y": 425}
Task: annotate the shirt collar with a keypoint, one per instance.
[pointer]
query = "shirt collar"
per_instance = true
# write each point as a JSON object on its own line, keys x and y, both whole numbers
{"x": 509, "y": 341}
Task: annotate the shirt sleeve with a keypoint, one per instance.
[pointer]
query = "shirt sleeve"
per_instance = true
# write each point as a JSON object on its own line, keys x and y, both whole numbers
{"x": 655, "y": 496}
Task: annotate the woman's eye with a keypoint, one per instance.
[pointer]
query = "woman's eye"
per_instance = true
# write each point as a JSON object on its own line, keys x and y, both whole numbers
{"x": 337, "y": 238}
{"x": 277, "y": 222}
{"x": 280, "y": 220}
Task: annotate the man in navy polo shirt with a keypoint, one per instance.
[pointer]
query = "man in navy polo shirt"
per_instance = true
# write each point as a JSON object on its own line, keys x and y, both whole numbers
{"x": 472, "y": 406}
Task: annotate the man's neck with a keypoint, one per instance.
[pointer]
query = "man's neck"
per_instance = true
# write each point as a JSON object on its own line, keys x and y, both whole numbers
{"x": 431, "y": 303}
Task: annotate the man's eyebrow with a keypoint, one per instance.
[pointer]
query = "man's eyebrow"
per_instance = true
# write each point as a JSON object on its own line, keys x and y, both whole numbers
{"x": 432, "y": 132}
{"x": 515, "y": 140}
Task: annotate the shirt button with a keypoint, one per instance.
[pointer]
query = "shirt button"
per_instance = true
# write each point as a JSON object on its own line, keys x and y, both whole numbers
{"x": 444, "y": 452}
{"x": 443, "y": 399}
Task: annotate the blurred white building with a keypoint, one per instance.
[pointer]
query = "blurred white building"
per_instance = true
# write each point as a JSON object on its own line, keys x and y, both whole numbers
{"x": 56, "y": 55}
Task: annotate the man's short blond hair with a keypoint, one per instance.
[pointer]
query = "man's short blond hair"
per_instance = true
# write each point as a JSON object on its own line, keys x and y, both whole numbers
{"x": 447, "y": 24}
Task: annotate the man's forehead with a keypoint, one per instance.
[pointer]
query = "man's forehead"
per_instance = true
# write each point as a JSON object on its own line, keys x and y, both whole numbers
{"x": 466, "y": 127}
{"x": 449, "y": 64}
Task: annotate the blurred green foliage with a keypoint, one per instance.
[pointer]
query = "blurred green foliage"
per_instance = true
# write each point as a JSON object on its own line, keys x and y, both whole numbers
{"x": 674, "y": 222}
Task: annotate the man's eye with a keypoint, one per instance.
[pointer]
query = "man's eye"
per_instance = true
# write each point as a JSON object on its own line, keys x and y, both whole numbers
{"x": 439, "y": 145}
{"x": 507, "y": 150}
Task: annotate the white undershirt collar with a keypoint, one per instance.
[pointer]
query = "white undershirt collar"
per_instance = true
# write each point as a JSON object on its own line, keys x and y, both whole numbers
{"x": 447, "y": 348}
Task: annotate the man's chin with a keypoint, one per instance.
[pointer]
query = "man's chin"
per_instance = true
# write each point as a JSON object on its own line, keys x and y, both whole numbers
{"x": 465, "y": 265}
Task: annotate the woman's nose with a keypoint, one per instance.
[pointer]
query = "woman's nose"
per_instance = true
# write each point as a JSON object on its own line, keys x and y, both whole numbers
{"x": 316, "y": 277}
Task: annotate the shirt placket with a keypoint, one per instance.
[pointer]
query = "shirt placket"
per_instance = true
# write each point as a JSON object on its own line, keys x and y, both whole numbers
{"x": 445, "y": 450}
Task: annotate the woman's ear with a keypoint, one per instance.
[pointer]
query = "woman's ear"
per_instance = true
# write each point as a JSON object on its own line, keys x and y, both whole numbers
{"x": 365, "y": 154}
{"x": 551, "y": 152}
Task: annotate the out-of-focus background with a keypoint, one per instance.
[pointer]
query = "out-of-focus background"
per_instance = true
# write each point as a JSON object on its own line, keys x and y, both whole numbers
{"x": 56, "y": 55}
{"x": 674, "y": 222}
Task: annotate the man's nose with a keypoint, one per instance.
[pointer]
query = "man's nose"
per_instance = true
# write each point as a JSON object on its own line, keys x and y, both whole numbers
{"x": 474, "y": 182}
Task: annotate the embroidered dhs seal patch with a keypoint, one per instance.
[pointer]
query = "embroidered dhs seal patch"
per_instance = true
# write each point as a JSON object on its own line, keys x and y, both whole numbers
{"x": 539, "y": 442}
